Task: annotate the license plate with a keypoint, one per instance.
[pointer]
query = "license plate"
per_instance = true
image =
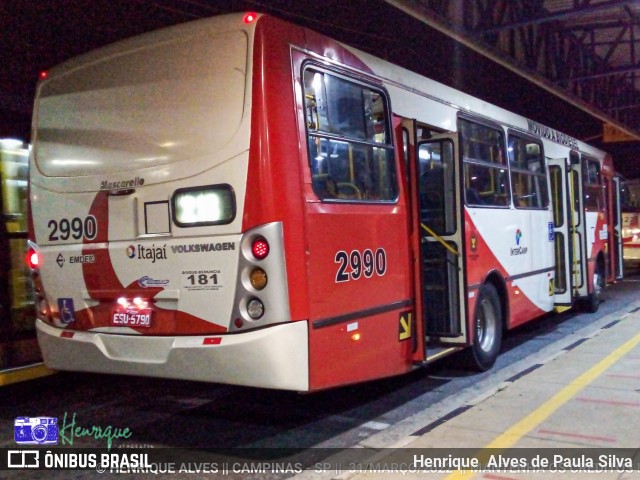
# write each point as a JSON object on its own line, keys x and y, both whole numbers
{"x": 131, "y": 318}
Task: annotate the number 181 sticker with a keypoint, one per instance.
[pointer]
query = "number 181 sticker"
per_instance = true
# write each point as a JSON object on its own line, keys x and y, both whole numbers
{"x": 196, "y": 280}
{"x": 355, "y": 265}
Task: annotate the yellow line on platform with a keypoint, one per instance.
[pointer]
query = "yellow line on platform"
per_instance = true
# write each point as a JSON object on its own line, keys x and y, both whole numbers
{"x": 23, "y": 374}
{"x": 544, "y": 411}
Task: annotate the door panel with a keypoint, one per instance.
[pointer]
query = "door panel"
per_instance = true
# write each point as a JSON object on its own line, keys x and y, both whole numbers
{"x": 617, "y": 227}
{"x": 569, "y": 230}
{"x": 577, "y": 228}
{"x": 562, "y": 231}
{"x": 439, "y": 218}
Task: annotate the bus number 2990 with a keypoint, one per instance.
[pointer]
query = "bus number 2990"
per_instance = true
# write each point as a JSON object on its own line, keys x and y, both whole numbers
{"x": 75, "y": 228}
{"x": 355, "y": 265}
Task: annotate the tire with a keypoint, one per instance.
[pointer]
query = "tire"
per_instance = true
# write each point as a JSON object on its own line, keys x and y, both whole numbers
{"x": 592, "y": 301}
{"x": 487, "y": 330}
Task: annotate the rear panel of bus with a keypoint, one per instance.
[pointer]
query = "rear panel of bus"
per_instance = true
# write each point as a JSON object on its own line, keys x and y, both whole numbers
{"x": 148, "y": 262}
{"x": 181, "y": 227}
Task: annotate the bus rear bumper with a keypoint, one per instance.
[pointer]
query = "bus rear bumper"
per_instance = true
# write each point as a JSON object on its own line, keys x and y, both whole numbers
{"x": 276, "y": 357}
{"x": 631, "y": 253}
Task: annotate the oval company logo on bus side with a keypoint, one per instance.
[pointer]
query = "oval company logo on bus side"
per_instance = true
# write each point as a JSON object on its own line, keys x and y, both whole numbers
{"x": 152, "y": 253}
{"x": 148, "y": 282}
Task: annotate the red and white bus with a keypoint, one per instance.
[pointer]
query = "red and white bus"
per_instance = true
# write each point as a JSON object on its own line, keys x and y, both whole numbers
{"x": 246, "y": 201}
{"x": 631, "y": 222}
{"x": 17, "y": 318}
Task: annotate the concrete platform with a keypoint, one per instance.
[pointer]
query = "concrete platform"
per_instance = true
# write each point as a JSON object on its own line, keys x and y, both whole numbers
{"x": 584, "y": 397}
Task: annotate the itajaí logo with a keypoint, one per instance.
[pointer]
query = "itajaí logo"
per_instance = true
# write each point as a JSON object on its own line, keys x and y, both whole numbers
{"x": 519, "y": 250}
{"x": 152, "y": 253}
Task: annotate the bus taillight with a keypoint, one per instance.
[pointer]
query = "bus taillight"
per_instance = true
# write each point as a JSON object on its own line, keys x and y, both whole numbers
{"x": 258, "y": 278}
{"x": 255, "y": 308}
{"x": 250, "y": 17}
{"x": 32, "y": 259}
{"x": 260, "y": 248}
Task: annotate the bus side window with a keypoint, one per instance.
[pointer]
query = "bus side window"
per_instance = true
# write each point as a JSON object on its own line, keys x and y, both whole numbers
{"x": 592, "y": 184}
{"x": 528, "y": 173}
{"x": 486, "y": 179}
{"x": 348, "y": 139}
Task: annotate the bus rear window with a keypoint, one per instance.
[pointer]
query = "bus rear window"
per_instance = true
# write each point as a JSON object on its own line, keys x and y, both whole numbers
{"x": 350, "y": 146}
{"x": 144, "y": 105}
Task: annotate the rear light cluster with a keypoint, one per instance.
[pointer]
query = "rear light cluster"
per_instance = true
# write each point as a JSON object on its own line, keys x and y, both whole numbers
{"x": 260, "y": 248}
{"x": 256, "y": 279}
{"x": 249, "y": 17}
{"x": 34, "y": 261}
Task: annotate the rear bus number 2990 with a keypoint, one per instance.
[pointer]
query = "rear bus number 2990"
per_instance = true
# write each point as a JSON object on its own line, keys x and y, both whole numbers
{"x": 355, "y": 265}
{"x": 75, "y": 228}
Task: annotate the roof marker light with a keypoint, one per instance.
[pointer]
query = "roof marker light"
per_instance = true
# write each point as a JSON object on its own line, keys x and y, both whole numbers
{"x": 250, "y": 17}
{"x": 43, "y": 75}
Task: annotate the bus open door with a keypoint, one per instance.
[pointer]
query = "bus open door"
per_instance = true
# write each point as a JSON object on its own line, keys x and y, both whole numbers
{"x": 580, "y": 229}
{"x": 437, "y": 240}
{"x": 617, "y": 227}
{"x": 564, "y": 217}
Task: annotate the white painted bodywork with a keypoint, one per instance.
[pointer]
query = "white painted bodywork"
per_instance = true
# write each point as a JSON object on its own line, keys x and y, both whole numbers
{"x": 275, "y": 357}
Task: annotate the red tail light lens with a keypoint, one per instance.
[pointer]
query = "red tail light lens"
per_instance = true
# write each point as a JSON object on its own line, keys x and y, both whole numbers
{"x": 32, "y": 259}
{"x": 260, "y": 248}
{"x": 249, "y": 18}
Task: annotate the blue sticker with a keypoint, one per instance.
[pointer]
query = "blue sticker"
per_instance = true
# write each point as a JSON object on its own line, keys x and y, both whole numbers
{"x": 66, "y": 310}
{"x": 552, "y": 235}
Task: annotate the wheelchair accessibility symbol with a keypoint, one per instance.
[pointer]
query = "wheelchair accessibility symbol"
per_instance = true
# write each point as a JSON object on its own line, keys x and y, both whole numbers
{"x": 66, "y": 310}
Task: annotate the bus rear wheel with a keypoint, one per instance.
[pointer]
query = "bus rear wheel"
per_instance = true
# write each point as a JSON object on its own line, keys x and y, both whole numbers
{"x": 487, "y": 330}
{"x": 592, "y": 301}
